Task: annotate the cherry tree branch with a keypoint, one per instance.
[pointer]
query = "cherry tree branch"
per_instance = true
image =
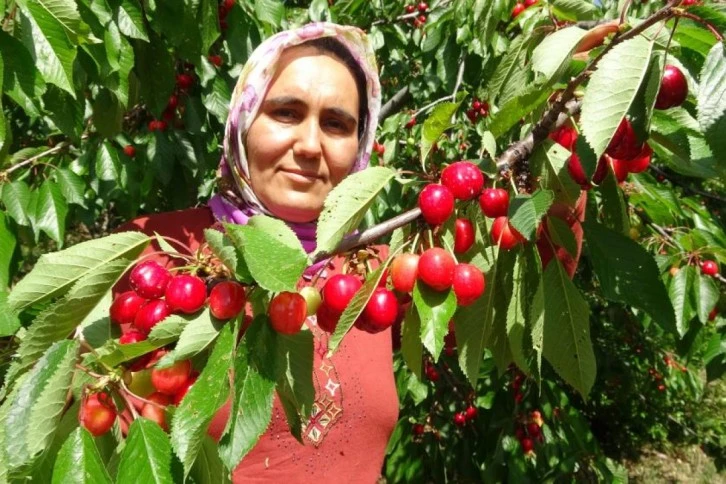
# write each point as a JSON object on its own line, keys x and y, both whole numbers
{"x": 395, "y": 103}
{"x": 6, "y": 173}
{"x": 685, "y": 186}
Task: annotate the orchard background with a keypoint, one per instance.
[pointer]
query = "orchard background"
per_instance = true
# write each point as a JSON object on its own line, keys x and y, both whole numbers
{"x": 116, "y": 108}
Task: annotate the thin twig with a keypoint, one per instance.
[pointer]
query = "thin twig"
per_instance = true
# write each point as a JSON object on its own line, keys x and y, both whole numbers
{"x": 687, "y": 187}
{"x": 30, "y": 160}
{"x": 395, "y": 103}
{"x": 708, "y": 25}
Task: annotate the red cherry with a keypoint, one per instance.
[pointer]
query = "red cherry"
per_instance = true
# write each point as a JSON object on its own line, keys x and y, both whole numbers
{"x": 227, "y": 299}
{"x": 404, "y": 271}
{"x": 518, "y": 8}
{"x": 519, "y": 433}
{"x": 641, "y": 162}
{"x": 529, "y": 3}
{"x": 574, "y": 168}
{"x": 339, "y": 290}
{"x": 131, "y": 336}
{"x": 287, "y": 312}
{"x": 179, "y": 396}
{"x": 471, "y": 114}
{"x": 565, "y": 136}
{"x": 620, "y": 169}
{"x": 125, "y": 306}
{"x": 468, "y": 284}
{"x": 228, "y": 4}
{"x": 184, "y": 81}
{"x": 601, "y": 170}
{"x": 476, "y": 105}
{"x": 504, "y": 234}
{"x": 463, "y": 235}
{"x": 463, "y": 179}
{"x": 432, "y": 374}
{"x": 436, "y": 268}
{"x": 471, "y": 412}
{"x": 150, "y": 314}
{"x": 436, "y": 203}
{"x": 494, "y": 202}
{"x": 625, "y": 144}
{"x": 527, "y": 445}
{"x": 421, "y": 19}
{"x": 130, "y": 151}
{"x": 215, "y": 59}
{"x": 381, "y": 310}
{"x": 149, "y": 279}
{"x": 484, "y": 110}
{"x": 533, "y": 430}
{"x": 712, "y": 315}
{"x": 156, "y": 413}
{"x": 418, "y": 429}
{"x": 410, "y": 9}
{"x": 411, "y": 122}
{"x": 673, "y": 88}
{"x": 423, "y": 7}
{"x": 172, "y": 379}
{"x": 185, "y": 294}
{"x": 709, "y": 268}
{"x": 97, "y": 413}
{"x": 460, "y": 419}
{"x": 327, "y": 318}
{"x": 173, "y": 102}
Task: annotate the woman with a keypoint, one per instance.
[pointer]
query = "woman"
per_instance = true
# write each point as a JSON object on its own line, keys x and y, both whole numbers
{"x": 302, "y": 117}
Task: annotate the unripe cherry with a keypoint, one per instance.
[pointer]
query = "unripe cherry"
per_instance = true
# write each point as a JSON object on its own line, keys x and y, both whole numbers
{"x": 149, "y": 279}
{"x": 624, "y": 144}
{"x": 463, "y": 235}
{"x": 468, "y": 284}
{"x": 313, "y": 299}
{"x": 185, "y": 294}
{"x": 339, "y": 290}
{"x": 97, "y": 413}
{"x": 494, "y": 202}
{"x": 436, "y": 203}
{"x": 381, "y": 310}
{"x": 463, "y": 179}
{"x": 287, "y": 312}
{"x": 436, "y": 268}
{"x": 227, "y": 299}
{"x": 170, "y": 380}
{"x": 132, "y": 336}
{"x": 151, "y": 314}
{"x": 673, "y": 88}
{"x": 404, "y": 271}
{"x": 125, "y": 306}
{"x": 504, "y": 234}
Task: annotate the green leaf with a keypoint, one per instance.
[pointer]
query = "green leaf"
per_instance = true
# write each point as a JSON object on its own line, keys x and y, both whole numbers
{"x": 567, "y": 346}
{"x": 165, "y": 332}
{"x": 627, "y": 273}
{"x": 208, "y": 468}
{"x": 411, "y": 346}
{"x": 706, "y": 295}
{"x": 270, "y": 11}
{"x": 525, "y": 281}
{"x": 526, "y": 211}
{"x": 356, "y": 306}
{"x": 108, "y": 114}
{"x": 208, "y": 23}
{"x": 216, "y": 100}
{"x": 562, "y": 235}
{"x": 614, "y": 207}
{"x": 573, "y": 10}
{"x": 223, "y": 248}
{"x": 435, "y": 309}
{"x": 271, "y": 251}
{"x": 527, "y": 100}
{"x": 45, "y": 36}
{"x": 54, "y": 274}
{"x": 612, "y": 90}
{"x": 155, "y": 65}
{"x": 711, "y": 96}
{"x": 435, "y": 125}
{"x": 205, "y": 397}
{"x": 199, "y": 333}
{"x": 79, "y": 461}
{"x": 22, "y": 81}
{"x": 51, "y": 211}
{"x": 553, "y": 54}
{"x": 16, "y": 198}
{"x": 7, "y": 249}
{"x": 9, "y": 322}
{"x": 58, "y": 320}
{"x": 65, "y": 112}
{"x": 254, "y": 387}
{"x": 36, "y": 408}
{"x": 682, "y": 295}
{"x": 72, "y": 186}
{"x": 130, "y": 20}
{"x": 346, "y": 205}
{"x": 295, "y": 378}
{"x": 107, "y": 163}
{"x": 146, "y": 457}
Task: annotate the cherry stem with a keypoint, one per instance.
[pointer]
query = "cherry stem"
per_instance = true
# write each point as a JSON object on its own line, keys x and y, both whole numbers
{"x": 125, "y": 392}
{"x": 89, "y": 372}
{"x": 178, "y": 242}
{"x": 125, "y": 389}
{"x": 702, "y": 21}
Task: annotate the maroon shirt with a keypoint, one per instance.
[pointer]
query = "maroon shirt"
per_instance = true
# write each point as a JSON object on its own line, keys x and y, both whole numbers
{"x": 356, "y": 406}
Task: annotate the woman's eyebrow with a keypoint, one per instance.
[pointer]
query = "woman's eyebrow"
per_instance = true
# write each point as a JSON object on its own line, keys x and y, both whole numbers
{"x": 295, "y": 101}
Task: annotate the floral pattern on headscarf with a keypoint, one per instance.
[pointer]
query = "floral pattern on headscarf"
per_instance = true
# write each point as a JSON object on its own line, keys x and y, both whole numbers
{"x": 248, "y": 94}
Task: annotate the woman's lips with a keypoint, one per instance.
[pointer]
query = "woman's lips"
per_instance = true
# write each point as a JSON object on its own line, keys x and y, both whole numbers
{"x": 301, "y": 176}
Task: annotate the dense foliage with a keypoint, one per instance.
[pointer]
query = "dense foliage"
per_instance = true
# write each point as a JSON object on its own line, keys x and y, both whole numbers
{"x": 600, "y": 328}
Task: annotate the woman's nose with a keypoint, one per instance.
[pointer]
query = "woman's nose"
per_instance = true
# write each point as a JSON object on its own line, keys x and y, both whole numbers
{"x": 307, "y": 144}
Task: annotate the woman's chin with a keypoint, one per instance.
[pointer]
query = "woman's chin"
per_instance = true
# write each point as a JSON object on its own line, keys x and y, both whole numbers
{"x": 295, "y": 213}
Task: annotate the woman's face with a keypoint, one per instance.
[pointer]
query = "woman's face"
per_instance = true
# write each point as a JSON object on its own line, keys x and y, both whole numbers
{"x": 304, "y": 140}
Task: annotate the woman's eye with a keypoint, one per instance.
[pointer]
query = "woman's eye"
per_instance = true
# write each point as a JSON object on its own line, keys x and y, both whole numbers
{"x": 285, "y": 114}
{"x": 336, "y": 124}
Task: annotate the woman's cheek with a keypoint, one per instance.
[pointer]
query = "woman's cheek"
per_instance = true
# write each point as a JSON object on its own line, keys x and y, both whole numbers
{"x": 342, "y": 161}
